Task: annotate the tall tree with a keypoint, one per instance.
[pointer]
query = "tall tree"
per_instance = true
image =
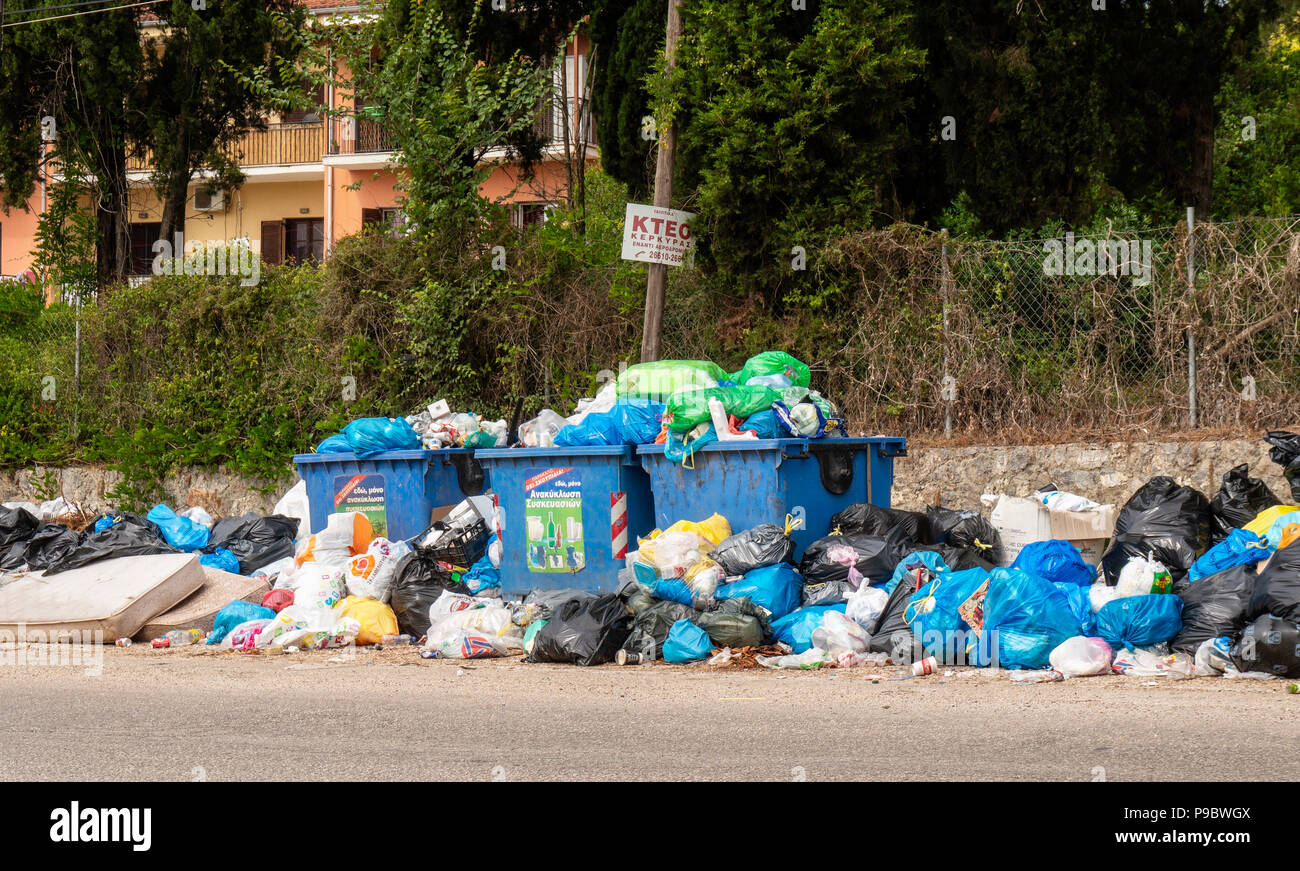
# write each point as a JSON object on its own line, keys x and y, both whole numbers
{"x": 192, "y": 106}
{"x": 788, "y": 119}
{"x": 69, "y": 79}
{"x": 629, "y": 36}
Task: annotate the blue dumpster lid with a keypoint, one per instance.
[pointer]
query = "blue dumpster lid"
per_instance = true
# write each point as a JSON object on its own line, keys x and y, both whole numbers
{"x": 552, "y": 453}
{"x": 345, "y": 456}
{"x": 778, "y": 444}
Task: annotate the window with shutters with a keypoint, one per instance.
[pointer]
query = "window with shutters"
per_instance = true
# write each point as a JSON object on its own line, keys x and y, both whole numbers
{"x": 304, "y": 240}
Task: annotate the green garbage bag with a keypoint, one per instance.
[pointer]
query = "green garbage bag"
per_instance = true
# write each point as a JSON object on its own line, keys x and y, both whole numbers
{"x": 691, "y": 407}
{"x": 773, "y": 363}
{"x": 661, "y": 379}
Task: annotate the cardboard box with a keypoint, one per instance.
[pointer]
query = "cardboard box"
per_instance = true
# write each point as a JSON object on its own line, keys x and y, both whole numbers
{"x": 1021, "y": 521}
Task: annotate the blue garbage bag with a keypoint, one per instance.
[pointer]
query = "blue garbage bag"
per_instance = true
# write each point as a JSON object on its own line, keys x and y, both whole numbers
{"x": 1025, "y": 618}
{"x": 933, "y": 614}
{"x": 335, "y": 444}
{"x": 765, "y": 425}
{"x": 776, "y": 588}
{"x": 374, "y": 435}
{"x": 104, "y": 522}
{"x": 672, "y": 590}
{"x": 1080, "y": 607}
{"x": 482, "y": 575}
{"x": 1056, "y": 561}
{"x": 1140, "y": 621}
{"x": 797, "y": 627}
{"x": 599, "y": 428}
{"x": 220, "y": 558}
{"x": 679, "y": 450}
{"x": 180, "y": 532}
{"x": 686, "y": 642}
{"x": 629, "y": 422}
{"x": 233, "y": 614}
{"x": 908, "y": 564}
{"x": 1242, "y": 547}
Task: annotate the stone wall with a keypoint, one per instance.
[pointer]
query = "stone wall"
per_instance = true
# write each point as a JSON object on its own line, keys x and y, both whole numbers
{"x": 221, "y": 493}
{"x": 1107, "y": 473}
{"x": 956, "y": 476}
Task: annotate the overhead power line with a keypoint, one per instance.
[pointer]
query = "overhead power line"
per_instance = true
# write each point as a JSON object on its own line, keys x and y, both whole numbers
{"x": 72, "y": 14}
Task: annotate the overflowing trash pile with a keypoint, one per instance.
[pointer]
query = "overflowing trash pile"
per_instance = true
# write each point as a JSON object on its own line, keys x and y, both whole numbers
{"x": 686, "y": 404}
{"x": 682, "y": 403}
{"x": 1052, "y": 587}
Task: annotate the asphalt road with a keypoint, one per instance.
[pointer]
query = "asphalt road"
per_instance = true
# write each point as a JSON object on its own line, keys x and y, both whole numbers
{"x": 189, "y": 715}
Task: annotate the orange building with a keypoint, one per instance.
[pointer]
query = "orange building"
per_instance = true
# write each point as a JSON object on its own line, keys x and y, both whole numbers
{"x": 311, "y": 181}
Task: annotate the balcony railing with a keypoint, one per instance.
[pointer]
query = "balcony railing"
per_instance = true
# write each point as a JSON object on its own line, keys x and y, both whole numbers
{"x": 355, "y": 136}
{"x": 277, "y": 145}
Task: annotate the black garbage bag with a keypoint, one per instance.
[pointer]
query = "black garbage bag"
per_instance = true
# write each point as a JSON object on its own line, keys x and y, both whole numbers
{"x": 16, "y": 524}
{"x": 1239, "y": 499}
{"x": 255, "y": 540}
{"x": 1277, "y": 589}
{"x": 129, "y": 536}
{"x": 873, "y": 520}
{"x": 735, "y": 623}
{"x": 826, "y": 593}
{"x": 49, "y": 545}
{"x": 874, "y": 557}
{"x": 968, "y": 530}
{"x": 892, "y": 634}
{"x": 764, "y": 545}
{"x": 584, "y": 632}
{"x": 1270, "y": 644}
{"x": 1161, "y": 521}
{"x": 651, "y": 623}
{"x": 1213, "y": 606}
{"x": 961, "y": 558}
{"x": 418, "y": 581}
{"x": 1286, "y": 453}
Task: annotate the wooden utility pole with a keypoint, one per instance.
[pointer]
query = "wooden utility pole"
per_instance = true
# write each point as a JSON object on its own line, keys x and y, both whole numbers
{"x": 658, "y": 277}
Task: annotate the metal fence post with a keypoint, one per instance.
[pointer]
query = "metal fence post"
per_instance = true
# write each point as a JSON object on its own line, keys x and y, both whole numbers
{"x": 946, "y": 279}
{"x": 1191, "y": 328}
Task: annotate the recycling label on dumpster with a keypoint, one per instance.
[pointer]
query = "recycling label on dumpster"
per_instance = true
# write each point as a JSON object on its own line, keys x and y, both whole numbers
{"x": 553, "y": 520}
{"x": 365, "y": 494}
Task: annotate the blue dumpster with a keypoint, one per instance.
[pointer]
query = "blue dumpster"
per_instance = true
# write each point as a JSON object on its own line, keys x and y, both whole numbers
{"x": 569, "y": 515}
{"x": 757, "y": 481}
{"x": 397, "y": 490}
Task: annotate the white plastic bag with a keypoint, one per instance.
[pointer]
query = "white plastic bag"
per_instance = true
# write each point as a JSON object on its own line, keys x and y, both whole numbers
{"x": 317, "y": 587}
{"x": 370, "y": 574}
{"x": 294, "y": 503}
{"x": 866, "y": 606}
{"x": 1101, "y": 593}
{"x": 1141, "y": 576}
{"x": 540, "y": 431}
{"x": 454, "y": 603}
{"x": 838, "y": 634}
{"x": 199, "y": 515}
{"x": 675, "y": 552}
{"x": 1080, "y": 656}
{"x": 811, "y": 658}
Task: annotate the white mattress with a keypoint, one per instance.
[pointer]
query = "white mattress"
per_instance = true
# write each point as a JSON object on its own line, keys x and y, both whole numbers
{"x": 116, "y": 597}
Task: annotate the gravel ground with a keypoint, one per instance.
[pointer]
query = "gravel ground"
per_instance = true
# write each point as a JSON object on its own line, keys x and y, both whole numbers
{"x": 198, "y": 714}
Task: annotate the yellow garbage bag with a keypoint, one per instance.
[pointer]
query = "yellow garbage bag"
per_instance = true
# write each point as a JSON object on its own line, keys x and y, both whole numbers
{"x": 1264, "y": 519}
{"x": 376, "y": 618}
{"x": 715, "y": 529}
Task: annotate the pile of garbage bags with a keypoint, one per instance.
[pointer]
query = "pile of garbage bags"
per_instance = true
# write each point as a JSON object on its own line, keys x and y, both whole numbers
{"x": 239, "y": 545}
{"x": 686, "y": 404}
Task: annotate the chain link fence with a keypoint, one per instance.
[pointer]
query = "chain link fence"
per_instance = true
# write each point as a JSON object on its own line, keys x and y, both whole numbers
{"x": 1070, "y": 337}
{"x": 1044, "y": 339}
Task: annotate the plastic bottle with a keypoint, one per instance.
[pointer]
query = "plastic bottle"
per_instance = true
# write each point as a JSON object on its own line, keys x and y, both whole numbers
{"x": 179, "y": 638}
